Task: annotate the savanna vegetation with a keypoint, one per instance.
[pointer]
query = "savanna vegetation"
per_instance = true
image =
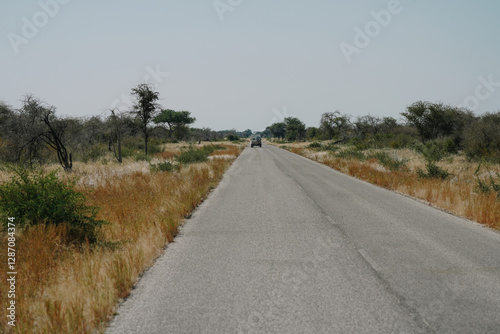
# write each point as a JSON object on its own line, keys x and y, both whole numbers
{"x": 94, "y": 201}
{"x": 444, "y": 155}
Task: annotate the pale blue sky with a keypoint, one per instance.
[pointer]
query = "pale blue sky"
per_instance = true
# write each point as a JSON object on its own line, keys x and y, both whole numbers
{"x": 266, "y": 59}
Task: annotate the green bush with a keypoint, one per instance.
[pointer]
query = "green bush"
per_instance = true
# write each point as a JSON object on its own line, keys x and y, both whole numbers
{"x": 331, "y": 147}
{"x": 34, "y": 198}
{"x": 193, "y": 155}
{"x": 133, "y": 143}
{"x": 212, "y": 148}
{"x": 433, "y": 172}
{"x": 314, "y": 145}
{"x": 164, "y": 166}
{"x": 155, "y": 146}
{"x": 437, "y": 149}
{"x": 351, "y": 154}
{"x": 127, "y": 152}
{"x": 141, "y": 156}
{"x": 94, "y": 153}
{"x": 360, "y": 145}
{"x": 491, "y": 185}
{"x": 388, "y": 162}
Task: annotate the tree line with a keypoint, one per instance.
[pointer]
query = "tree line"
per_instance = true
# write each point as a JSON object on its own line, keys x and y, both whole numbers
{"x": 35, "y": 134}
{"x": 450, "y": 128}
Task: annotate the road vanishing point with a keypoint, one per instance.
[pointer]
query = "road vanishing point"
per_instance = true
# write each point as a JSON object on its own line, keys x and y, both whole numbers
{"x": 287, "y": 245}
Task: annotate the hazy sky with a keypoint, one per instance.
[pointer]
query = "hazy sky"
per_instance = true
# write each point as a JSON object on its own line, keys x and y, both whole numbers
{"x": 247, "y": 63}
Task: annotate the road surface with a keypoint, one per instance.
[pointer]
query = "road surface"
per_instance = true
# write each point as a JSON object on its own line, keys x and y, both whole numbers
{"x": 286, "y": 245}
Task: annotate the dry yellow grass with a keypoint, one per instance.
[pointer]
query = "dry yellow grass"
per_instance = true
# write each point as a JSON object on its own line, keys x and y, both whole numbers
{"x": 62, "y": 289}
{"x": 457, "y": 195}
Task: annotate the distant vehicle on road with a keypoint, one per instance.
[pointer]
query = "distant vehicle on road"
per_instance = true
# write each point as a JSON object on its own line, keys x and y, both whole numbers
{"x": 255, "y": 141}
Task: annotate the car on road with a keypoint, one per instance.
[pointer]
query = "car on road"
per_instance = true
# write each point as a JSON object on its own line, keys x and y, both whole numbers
{"x": 255, "y": 141}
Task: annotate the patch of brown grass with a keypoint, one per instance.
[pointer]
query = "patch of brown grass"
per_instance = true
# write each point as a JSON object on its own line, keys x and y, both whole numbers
{"x": 231, "y": 150}
{"x": 69, "y": 290}
{"x": 167, "y": 154}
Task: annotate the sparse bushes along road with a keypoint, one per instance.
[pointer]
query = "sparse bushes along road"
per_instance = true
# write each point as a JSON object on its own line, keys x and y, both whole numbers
{"x": 68, "y": 285}
{"x": 450, "y": 181}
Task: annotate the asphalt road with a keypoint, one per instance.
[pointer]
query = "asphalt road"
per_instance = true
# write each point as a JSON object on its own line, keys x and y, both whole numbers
{"x": 286, "y": 245}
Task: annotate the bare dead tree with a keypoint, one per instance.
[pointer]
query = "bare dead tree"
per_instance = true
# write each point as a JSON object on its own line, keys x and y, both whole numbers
{"x": 116, "y": 121}
{"x": 51, "y": 134}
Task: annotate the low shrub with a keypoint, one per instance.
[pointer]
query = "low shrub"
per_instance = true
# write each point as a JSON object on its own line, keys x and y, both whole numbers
{"x": 127, "y": 152}
{"x": 35, "y": 198}
{"x": 94, "y": 153}
{"x": 351, "y": 154}
{"x": 359, "y": 144}
{"x": 164, "y": 166}
{"x": 193, "y": 155}
{"x": 141, "y": 156}
{"x": 490, "y": 185}
{"x": 212, "y": 148}
{"x": 433, "y": 172}
{"x": 437, "y": 149}
{"x": 314, "y": 145}
{"x": 155, "y": 146}
{"x": 331, "y": 147}
{"x": 388, "y": 162}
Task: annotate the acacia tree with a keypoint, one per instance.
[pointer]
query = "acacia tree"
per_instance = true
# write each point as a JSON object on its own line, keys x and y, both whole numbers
{"x": 116, "y": 128}
{"x": 277, "y": 130}
{"x": 295, "y": 129}
{"x": 145, "y": 108}
{"x": 177, "y": 122}
{"x": 434, "y": 120}
{"x": 367, "y": 125}
{"x": 336, "y": 125}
